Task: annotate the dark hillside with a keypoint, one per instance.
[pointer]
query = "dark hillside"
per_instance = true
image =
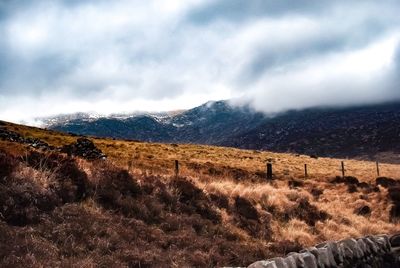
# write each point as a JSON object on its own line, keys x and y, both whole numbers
{"x": 368, "y": 132}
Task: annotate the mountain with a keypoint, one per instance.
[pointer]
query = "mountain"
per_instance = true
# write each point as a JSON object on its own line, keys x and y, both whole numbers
{"x": 210, "y": 123}
{"x": 369, "y": 131}
{"x": 338, "y": 132}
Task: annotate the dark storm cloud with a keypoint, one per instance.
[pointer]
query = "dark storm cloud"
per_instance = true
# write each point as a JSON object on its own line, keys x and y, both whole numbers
{"x": 110, "y": 56}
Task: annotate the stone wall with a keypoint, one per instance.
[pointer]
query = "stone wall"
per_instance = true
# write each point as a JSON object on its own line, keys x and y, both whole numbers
{"x": 369, "y": 251}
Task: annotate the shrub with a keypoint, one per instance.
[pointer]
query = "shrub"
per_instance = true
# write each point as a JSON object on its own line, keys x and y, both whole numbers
{"x": 194, "y": 200}
{"x": 23, "y": 203}
{"x": 116, "y": 189}
{"x": 220, "y": 200}
{"x": 245, "y": 208}
{"x": 7, "y": 165}
{"x": 386, "y": 182}
{"x": 72, "y": 182}
{"x": 307, "y": 212}
{"x": 316, "y": 192}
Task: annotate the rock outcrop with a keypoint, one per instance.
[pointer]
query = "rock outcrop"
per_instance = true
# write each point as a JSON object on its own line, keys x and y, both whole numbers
{"x": 12, "y": 136}
{"x": 85, "y": 148}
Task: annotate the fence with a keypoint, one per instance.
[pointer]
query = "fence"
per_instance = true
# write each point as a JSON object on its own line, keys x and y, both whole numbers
{"x": 275, "y": 169}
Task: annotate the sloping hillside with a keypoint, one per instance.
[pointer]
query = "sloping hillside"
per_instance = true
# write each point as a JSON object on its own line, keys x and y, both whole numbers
{"x": 131, "y": 210}
{"x": 366, "y": 132}
{"x": 210, "y": 123}
{"x": 347, "y": 132}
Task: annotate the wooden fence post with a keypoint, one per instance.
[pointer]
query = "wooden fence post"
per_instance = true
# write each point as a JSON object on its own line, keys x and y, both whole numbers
{"x": 176, "y": 168}
{"x": 343, "y": 171}
{"x": 269, "y": 171}
{"x": 305, "y": 171}
{"x": 377, "y": 168}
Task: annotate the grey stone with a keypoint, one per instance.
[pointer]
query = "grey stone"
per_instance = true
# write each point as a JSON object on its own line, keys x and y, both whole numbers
{"x": 347, "y": 249}
{"x": 279, "y": 262}
{"x": 298, "y": 259}
{"x": 369, "y": 251}
{"x": 395, "y": 240}
{"x": 379, "y": 244}
{"x": 315, "y": 252}
{"x": 290, "y": 262}
{"x": 321, "y": 245}
{"x": 326, "y": 258}
{"x": 309, "y": 260}
{"x": 336, "y": 252}
{"x": 331, "y": 257}
{"x": 368, "y": 245}
{"x": 384, "y": 239}
{"x": 362, "y": 245}
{"x": 263, "y": 264}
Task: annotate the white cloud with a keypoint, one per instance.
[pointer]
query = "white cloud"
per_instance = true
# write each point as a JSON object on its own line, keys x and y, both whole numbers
{"x": 114, "y": 56}
{"x": 354, "y": 77}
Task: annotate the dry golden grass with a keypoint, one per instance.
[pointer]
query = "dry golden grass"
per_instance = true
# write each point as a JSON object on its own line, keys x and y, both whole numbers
{"x": 230, "y": 173}
{"x": 158, "y": 158}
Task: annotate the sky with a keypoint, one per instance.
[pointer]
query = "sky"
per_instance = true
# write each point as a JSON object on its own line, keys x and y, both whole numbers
{"x": 67, "y": 56}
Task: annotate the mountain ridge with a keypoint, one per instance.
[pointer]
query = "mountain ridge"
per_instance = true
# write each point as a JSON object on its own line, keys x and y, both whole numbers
{"x": 366, "y": 131}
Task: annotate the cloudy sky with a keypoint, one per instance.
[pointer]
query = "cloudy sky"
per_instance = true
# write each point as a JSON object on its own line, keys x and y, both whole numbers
{"x": 65, "y": 56}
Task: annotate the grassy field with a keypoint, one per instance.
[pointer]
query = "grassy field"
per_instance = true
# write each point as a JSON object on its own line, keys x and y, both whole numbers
{"x": 220, "y": 210}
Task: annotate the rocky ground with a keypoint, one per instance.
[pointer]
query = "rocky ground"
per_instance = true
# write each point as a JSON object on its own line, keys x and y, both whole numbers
{"x": 83, "y": 147}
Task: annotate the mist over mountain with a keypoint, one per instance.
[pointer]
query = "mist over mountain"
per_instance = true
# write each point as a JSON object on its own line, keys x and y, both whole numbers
{"x": 368, "y": 131}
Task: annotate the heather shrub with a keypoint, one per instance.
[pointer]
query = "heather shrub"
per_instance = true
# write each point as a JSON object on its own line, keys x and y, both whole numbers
{"x": 23, "y": 203}
{"x": 7, "y": 165}
{"x": 72, "y": 183}
{"x": 116, "y": 189}
{"x": 194, "y": 200}
{"x": 307, "y": 212}
{"x": 69, "y": 181}
{"x": 220, "y": 200}
{"x": 245, "y": 209}
{"x": 42, "y": 161}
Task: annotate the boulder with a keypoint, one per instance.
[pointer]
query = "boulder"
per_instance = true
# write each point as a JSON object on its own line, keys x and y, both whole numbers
{"x": 309, "y": 260}
{"x": 85, "y": 148}
{"x": 395, "y": 240}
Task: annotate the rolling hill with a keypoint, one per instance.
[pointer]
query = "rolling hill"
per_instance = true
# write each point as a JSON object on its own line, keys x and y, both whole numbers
{"x": 78, "y": 202}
